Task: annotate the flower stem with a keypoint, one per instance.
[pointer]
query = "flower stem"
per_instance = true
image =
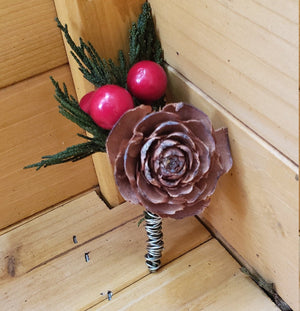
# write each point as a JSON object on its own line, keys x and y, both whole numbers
{"x": 153, "y": 226}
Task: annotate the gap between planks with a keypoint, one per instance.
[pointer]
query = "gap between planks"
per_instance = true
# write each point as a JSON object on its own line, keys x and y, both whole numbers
{"x": 174, "y": 74}
{"x": 205, "y": 278}
{"x": 48, "y": 272}
{"x": 164, "y": 265}
{"x": 251, "y": 208}
{"x": 48, "y": 210}
{"x": 41, "y": 268}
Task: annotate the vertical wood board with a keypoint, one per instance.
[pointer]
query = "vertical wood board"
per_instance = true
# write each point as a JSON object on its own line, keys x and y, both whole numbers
{"x": 30, "y": 42}
{"x": 256, "y": 203}
{"x": 52, "y": 234}
{"x": 67, "y": 281}
{"x": 207, "y": 278}
{"x": 106, "y": 25}
{"x": 242, "y": 54}
{"x": 30, "y": 128}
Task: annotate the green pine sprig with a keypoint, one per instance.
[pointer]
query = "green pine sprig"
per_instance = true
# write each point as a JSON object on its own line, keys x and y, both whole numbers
{"x": 69, "y": 108}
{"x": 143, "y": 45}
{"x": 95, "y": 69}
{"x": 143, "y": 41}
{"x": 73, "y": 153}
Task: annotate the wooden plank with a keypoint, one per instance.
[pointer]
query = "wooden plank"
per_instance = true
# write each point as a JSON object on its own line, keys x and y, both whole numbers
{"x": 105, "y": 175}
{"x": 277, "y": 24}
{"x": 257, "y": 202}
{"x": 282, "y": 8}
{"x": 207, "y": 278}
{"x": 50, "y": 235}
{"x": 241, "y": 54}
{"x": 30, "y": 42}
{"x": 106, "y": 25}
{"x": 116, "y": 255}
{"x": 31, "y": 127}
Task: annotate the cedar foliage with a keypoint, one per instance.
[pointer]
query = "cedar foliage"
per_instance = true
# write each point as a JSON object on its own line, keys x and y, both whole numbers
{"x": 143, "y": 45}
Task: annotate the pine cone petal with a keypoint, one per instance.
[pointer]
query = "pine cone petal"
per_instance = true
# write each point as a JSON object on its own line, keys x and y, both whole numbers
{"x": 169, "y": 161}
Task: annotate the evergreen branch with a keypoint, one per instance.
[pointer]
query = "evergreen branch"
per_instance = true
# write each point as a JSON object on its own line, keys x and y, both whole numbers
{"x": 86, "y": 58}
{"x": 70, "y": 109}
{"x": 123, "y": 68}
{"x": 144, "y": 44}
{"x": 73, "y": 153}
{"x": 119, "y": 72}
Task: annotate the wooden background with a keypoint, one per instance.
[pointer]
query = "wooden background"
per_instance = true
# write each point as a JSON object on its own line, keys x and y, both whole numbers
{"x": 31, "y": 50}
{"x": 109, "y": 33}
{"x": 236, "y": 60}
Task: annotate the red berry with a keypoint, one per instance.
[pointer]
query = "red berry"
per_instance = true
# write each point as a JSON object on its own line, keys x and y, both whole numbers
{"x": 147, "y": 80}
{"x": 85, "y": 102}
{"x": 108, "y": 104}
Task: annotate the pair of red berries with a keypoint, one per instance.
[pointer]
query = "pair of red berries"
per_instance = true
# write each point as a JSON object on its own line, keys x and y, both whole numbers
{"x": 146, "y": 80}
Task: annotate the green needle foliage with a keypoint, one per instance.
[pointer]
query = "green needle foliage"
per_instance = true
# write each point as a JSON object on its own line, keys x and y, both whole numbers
{"x": 143, "y": 42}
{"x": 70, "y": 109}
{"x": 143, "y": 45}
{"x": 95, "y": 69}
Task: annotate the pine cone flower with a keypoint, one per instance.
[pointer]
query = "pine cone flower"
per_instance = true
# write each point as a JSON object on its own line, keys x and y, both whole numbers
{"x": 168, "y": 161}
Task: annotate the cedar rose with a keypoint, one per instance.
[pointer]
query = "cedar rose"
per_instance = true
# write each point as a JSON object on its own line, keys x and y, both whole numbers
{"x": 169, "y": 161}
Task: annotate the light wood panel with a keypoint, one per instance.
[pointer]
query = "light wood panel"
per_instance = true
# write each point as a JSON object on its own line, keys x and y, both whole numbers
{"x": 31, "y": 127}
{"x": 105, "y": 24}
{"x": 283, "y": 8}
{"x": 57, "y": 275}
{"x": 255, "y": 207}
{"x": 106, "y": 180}
{"x": 207, "y": 278}
{"x": 30, "y": 42}
{"x": 244, "y": 54}
{"x": 51, "y": 234}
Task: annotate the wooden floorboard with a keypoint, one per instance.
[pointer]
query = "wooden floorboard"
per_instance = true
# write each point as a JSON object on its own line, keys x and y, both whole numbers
{"x": 51, "y": 235}
{"x": 41, "y": 268}
{"x": 207, "y": 278}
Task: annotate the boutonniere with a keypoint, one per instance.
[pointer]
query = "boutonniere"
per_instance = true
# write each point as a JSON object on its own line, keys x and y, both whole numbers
{"x": 165, "y": 156}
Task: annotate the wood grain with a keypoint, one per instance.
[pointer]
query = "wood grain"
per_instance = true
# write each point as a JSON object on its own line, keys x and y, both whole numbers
{"x": 30, "y": 42}
{"x": 244, "y": 55}
{"x": 285, "y": 9}
{"x": 106, "y": 25}
{"x": 51, "y": 234}
{"x": 256, "y": 203}
{"x": 207, "y": 278}
{"x": 30, "y": 128}
{"x": 105, "y": 175}
{"x": 61, "y": 278}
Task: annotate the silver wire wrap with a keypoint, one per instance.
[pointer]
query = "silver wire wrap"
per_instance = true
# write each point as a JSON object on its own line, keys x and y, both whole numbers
{"x": 153, "y": 226}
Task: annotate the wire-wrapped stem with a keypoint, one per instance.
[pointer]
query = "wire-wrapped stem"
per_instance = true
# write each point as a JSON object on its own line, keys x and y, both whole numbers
{"x": 153, "y": 226}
